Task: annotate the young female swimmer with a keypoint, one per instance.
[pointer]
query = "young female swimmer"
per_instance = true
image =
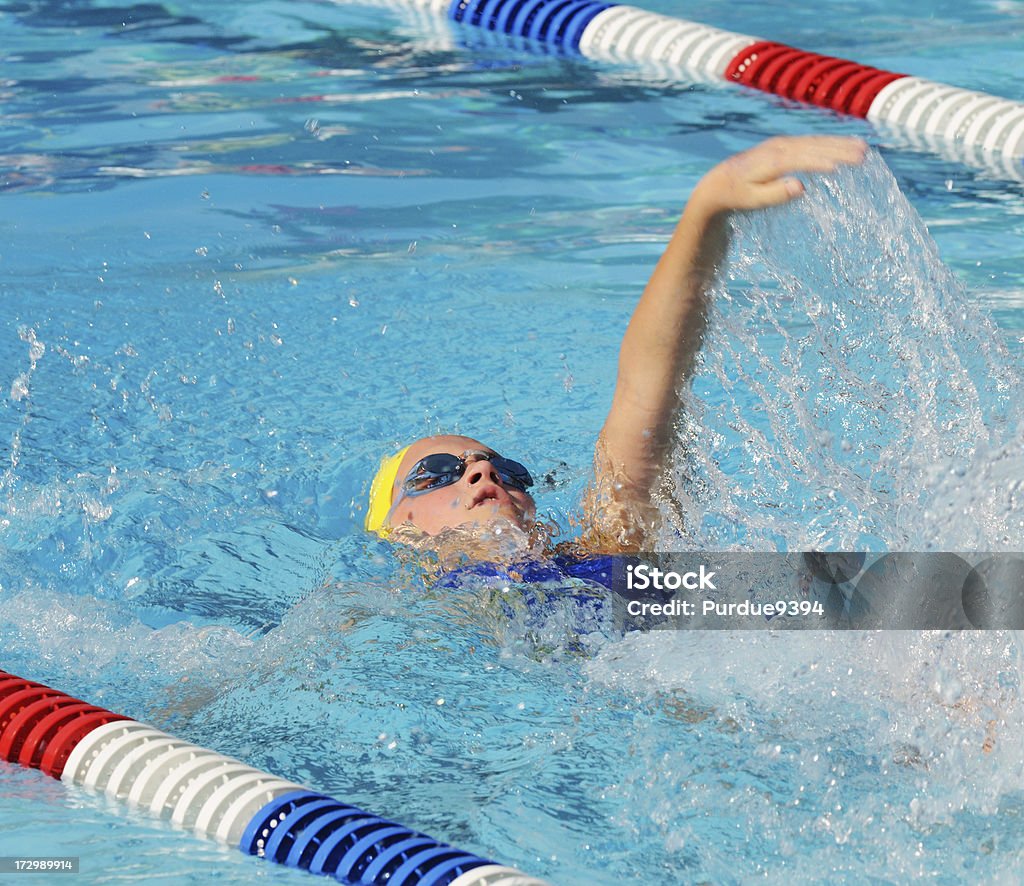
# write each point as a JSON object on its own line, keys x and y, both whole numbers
{"x": 448, "y": 482}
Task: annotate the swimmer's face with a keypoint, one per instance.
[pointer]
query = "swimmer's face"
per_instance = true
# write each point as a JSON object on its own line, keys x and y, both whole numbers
{"x": 479, "y": 497}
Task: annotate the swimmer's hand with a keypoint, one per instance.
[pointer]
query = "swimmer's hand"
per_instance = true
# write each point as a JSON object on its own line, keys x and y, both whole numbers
{"x": 764, "y": 175}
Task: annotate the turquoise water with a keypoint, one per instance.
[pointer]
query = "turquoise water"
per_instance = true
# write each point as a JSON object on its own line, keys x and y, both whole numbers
{"x": 246, "y": 249}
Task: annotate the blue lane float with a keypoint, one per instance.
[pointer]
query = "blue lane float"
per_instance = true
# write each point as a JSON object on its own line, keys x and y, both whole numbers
{"x": 224, "y": 799}
{"x": 561, "y": 22}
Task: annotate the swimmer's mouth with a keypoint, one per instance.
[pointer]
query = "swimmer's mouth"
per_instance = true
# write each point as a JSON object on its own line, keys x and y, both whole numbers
{"x": 490, "y": 493}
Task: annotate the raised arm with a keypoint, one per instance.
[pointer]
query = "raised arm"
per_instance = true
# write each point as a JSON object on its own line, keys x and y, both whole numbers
{"x": 666, "y": 330}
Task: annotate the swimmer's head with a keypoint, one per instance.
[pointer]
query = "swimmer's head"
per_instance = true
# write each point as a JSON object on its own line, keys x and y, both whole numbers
{"x": 472, "y": 487}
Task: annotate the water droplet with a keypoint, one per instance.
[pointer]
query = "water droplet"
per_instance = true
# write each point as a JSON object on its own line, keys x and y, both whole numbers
{"x": 19, "y": 388}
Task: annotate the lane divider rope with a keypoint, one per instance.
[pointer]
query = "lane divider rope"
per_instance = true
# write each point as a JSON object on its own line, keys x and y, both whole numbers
{"x": 977, "y": 128}
{"x": 224, "y": 799}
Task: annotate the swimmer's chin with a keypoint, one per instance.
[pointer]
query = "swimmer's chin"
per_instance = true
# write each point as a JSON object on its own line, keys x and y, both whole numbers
{"x": 499, "y": 540}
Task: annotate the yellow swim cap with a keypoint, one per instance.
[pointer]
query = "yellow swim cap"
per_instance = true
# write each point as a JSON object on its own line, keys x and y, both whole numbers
{"x": 381, "y": 490}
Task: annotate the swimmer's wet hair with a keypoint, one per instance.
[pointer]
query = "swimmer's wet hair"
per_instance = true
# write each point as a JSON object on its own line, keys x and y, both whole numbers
{"x": 382, "y": 492}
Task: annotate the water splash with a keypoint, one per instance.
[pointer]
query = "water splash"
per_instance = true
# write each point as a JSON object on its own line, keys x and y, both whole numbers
{"x": 20, "y": 392}
{"x": 851, "y": 394}
{"x": 71, "y": 640}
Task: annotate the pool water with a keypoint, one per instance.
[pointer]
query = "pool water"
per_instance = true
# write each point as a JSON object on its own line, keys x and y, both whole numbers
{"x": 247, "y": 249}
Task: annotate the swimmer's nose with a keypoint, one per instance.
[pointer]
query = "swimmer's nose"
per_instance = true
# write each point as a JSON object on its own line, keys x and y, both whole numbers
{"x": 482, "y": 470}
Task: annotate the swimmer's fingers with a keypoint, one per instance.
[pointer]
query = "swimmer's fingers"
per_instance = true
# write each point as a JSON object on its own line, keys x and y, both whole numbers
{"x": 767, "y": 169}
{"x": 803, "y": 153}
{"x": 771, "y": 193}
{"x": 763, "y": 176}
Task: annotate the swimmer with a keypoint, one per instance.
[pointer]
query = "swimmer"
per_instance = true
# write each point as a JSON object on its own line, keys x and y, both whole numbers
{"x": 446, "y": 482}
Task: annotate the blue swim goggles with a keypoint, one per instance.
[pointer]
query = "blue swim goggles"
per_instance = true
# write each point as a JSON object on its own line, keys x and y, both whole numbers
{"x": 442, "y": 469}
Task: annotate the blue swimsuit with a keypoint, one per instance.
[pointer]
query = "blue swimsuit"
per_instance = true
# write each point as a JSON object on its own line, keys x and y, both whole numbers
{"x": 596, "y": 569}
{"x": 578, "y": 595}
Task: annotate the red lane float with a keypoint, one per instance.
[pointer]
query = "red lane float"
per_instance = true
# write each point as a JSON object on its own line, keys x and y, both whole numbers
{"x": 821, "y": 80}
